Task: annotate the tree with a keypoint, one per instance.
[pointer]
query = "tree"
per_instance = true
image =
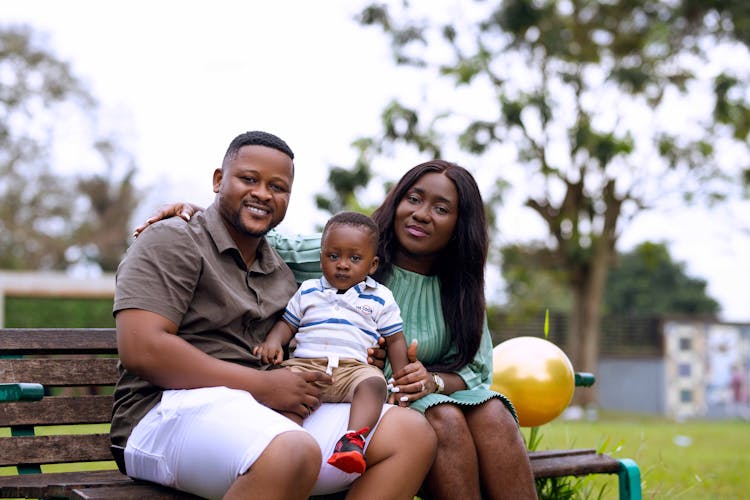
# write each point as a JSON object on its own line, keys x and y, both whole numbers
{"x": 43, "y": 214}
{"x": 346, "y": 183}
{"x": 647, "y": 281}
{"x": 112, "y": 199}
{"x": 531, "y": 290}
{"x": 609, "y": 107}
{"x": 643, "y": 281}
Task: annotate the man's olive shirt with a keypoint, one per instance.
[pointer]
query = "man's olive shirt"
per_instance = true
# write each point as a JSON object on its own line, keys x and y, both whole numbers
{"x": 192, "y": 273}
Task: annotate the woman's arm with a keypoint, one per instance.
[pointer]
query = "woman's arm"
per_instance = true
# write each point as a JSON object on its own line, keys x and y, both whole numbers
{"x": 478, "y": 373}
{"x": 180, "y": 209}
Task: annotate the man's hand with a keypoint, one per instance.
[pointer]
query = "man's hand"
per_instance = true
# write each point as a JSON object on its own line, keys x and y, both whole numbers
{"x": 290, "y": 393}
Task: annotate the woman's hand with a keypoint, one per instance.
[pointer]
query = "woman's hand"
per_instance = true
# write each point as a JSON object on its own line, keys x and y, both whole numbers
{"x": 180, "y": 209}
{"x": 376, "y": 355}
{"x": 412, "y": 382}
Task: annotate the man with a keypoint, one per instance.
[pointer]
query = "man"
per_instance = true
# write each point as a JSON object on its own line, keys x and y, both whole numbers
{"x": 194, "y": 408}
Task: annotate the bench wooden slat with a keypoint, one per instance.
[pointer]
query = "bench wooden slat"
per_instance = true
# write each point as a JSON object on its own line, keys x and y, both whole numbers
{"x": 581, "y": 463}
{"x": 32, "y": 450}
{"x": 59, "y": 371}
{"x": 58, "y": 341}
{"x": 539, "y": 454}
{"x": 128, "y": 492}
{"x": 56, "y": 484}
{"x": 58, "y": 410}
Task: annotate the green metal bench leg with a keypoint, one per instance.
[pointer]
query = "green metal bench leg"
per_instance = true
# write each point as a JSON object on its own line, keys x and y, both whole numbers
{"x": 630, "y": 480}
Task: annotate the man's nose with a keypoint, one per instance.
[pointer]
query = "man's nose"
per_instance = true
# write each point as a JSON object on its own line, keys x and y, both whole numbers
{"x": 261, "y": 192}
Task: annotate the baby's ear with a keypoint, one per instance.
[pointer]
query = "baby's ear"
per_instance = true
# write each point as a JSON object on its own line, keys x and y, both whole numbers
{"x": 374, "y": 265}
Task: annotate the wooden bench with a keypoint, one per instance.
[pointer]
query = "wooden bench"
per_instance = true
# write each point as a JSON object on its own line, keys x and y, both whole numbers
{"x": 66, "y": 363}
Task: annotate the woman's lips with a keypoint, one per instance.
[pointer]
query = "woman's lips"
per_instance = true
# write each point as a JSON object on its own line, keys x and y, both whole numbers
{"x": 416, "y": 231}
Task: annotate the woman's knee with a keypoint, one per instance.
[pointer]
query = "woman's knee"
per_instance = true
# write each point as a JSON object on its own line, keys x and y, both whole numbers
{"x": 449, "y": 423}
{"x": 492, "y": 414}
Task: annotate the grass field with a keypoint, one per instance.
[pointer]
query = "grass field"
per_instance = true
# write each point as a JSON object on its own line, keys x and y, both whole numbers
{"x": 689, "y": 460}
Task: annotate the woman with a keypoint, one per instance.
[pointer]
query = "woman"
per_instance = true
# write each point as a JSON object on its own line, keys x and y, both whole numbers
{"x": 432, "y": 250}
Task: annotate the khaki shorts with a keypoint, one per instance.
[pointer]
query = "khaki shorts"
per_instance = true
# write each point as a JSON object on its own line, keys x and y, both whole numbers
{"x": 346, "y": 376}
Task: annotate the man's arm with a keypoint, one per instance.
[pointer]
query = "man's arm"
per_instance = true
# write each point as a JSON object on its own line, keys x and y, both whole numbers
{"x": 149, "y": 347}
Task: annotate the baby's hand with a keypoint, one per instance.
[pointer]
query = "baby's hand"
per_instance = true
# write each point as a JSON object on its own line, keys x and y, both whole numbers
{"x": 269, "y": 352}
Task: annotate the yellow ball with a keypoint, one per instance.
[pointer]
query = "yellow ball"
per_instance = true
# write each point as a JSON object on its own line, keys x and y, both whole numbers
{"x": 536, "y": 376}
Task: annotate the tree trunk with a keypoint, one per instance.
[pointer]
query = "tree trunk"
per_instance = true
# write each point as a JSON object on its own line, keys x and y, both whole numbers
{"x": 582, "y": 346}
{"x": 587, "y": 287}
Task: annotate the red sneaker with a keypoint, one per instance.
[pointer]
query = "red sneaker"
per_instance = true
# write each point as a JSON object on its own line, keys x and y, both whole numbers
{"x": 348, "y": 455}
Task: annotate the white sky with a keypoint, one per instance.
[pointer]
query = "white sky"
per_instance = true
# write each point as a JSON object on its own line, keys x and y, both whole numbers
{"x": 177, "y": 80}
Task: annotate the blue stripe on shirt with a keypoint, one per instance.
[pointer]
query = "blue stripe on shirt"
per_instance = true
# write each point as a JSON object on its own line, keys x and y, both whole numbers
{"x": 391, "y": 329}
{"x": 372, "y": 297}
{"x": 341, "y": 322}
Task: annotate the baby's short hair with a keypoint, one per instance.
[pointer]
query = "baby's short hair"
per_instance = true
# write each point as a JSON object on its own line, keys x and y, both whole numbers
{"x": 355, "y": 219}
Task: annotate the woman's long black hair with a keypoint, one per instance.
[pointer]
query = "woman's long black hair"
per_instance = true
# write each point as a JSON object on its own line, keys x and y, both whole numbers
{"x": 460, "y": 265}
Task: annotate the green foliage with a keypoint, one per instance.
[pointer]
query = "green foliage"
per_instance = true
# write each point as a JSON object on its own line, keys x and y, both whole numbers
{"x": 531, "y": 283}
{"x": 584, "y": 92}
{"x": 643, "y": 282}
{"x": 346, "y": 184}
{"x": 47, "y": 220}
{"x": 646, "y": 281}
{"x": 58, "y": 313}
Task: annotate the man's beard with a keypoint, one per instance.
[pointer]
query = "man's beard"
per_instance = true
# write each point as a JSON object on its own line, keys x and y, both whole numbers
{"x": 240, "y": 227}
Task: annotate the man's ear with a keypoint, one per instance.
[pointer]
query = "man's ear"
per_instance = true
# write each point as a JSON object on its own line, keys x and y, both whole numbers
{"x": 218, "y": 176}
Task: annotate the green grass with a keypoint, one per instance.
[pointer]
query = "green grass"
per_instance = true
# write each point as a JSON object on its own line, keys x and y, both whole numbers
{"x": 714, "y": 465}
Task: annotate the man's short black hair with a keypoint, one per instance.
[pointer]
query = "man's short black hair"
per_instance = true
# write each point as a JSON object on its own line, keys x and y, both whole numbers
{"x": 257, "y": 138}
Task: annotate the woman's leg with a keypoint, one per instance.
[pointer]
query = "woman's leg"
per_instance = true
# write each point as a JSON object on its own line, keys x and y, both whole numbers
{"x": 399, "y": 455}
{"x": 504, "y": 466}
{"x": 455, "y": 472}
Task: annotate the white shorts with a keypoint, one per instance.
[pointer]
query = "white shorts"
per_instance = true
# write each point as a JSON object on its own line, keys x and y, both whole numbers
{"x": 201, "y": 440}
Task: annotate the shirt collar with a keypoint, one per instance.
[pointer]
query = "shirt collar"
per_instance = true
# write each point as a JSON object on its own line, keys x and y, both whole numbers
{"x": 368, "y": 282}
{"x": 266, "y": 260}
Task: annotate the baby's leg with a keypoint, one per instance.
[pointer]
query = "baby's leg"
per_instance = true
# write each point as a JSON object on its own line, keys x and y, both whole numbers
{"x": 369, "y": 396}
{"x": 365, "y": 387}
{"x": 367, "y": 403}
